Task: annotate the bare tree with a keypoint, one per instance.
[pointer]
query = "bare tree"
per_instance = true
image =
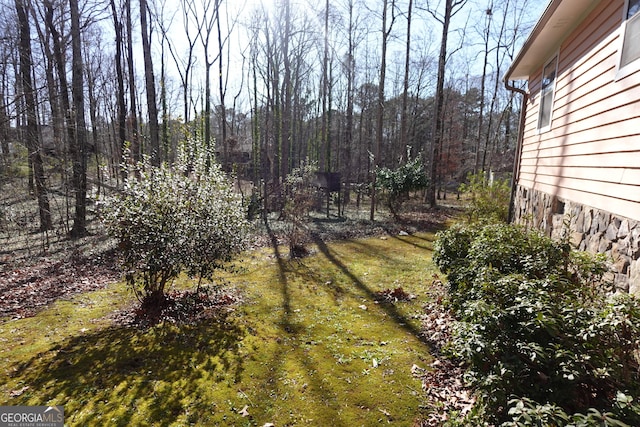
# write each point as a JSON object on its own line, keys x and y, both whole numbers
{"x": 405, "y": 92}
{"x": 451, "y": 8}
{"x": 325, "y": 161}
{"x": 205, "y": 14}
{"x": 133, "y": 110}
{"x": 184, "y": 66}
{"x": 285, "y": 118}
{"x": 120, "y": 95}
{"x": 386, "y": 33}
{"x": 78, "y": 147}
{"x": 486, "y": 37}
{"x": 150, "y": 83}
{"x": 31, "y": 130}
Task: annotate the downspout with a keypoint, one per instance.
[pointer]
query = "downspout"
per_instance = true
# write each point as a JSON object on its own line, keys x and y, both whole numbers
{"x": 516, "y": 160}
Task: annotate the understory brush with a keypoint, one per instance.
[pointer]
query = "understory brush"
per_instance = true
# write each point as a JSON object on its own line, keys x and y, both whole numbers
{"x": 543, "y": 343}
{"x": 488, "y": 198}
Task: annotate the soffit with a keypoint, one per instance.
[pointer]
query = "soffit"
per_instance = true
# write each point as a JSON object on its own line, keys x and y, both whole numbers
{"x": 556, "y": 23}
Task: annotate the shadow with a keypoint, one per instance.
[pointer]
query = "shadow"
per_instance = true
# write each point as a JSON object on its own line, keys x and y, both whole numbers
{"x": 329, "y": 220}
{"x": 157, "y": 369}
{"x": 291, "y": 340}
{"x": 330, "y": 281}
{"x": 375, "y": 252}
{"x": 390, "y": 309}
{"x": 282, "y": 269}
{"x": 409, "y": 240}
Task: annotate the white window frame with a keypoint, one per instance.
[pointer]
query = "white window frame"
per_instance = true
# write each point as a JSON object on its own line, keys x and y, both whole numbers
{"x": 634, "y": 65}
{"x": 547, "y": 127}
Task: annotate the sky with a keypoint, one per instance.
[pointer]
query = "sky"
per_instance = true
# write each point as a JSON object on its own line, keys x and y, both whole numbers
{"x": 425, "y": 35}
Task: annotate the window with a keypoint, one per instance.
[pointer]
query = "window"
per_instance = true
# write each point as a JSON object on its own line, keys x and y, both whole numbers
{"x": 631, "y": 43}
{"x": 546, "y": 93}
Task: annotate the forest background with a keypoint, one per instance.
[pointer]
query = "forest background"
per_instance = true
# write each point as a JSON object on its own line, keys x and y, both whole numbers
{"x": 351, "y": 85}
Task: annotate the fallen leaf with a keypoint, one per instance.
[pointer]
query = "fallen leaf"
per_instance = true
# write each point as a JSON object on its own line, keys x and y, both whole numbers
{"x": 416, "y": 369}
{"x": 18, "y": 392}
{"x": 244, "y": 411}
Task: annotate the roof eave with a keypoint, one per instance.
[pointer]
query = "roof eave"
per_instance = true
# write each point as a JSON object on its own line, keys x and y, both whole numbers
{"x": 556, "y": 23}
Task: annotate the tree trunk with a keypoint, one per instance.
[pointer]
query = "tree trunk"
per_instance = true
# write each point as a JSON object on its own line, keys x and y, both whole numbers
{"x": 476, "y": 167}
{"x": 348, "y": 137}
{"x": 438, "y": 106}
{"x": 152, "y": 106}
{"x": 122, "y": 108}
{"x": 60, "y": 64}
{"x": 380, "y": 118}
{"x": 133, "y": 118}
{"x": 286, "y": 83}
{"x": 78, "y": 147}
{"x": 222, "y": 88}
{"x": 404, "y": 140}
{"x": 57, "y": 117}
{"x": 32, "y": 143}
{"x": 324, "y": 128}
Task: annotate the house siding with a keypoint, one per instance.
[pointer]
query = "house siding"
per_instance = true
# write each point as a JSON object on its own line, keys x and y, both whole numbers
{"x": 589, "y": 158}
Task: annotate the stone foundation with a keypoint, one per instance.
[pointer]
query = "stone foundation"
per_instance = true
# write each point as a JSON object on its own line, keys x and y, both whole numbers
{"x": 589, "y": 229}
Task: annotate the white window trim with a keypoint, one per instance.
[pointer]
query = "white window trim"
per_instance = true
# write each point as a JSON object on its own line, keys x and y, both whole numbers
{"x": 547, "y": 128}
{"x": 632, "y": 67}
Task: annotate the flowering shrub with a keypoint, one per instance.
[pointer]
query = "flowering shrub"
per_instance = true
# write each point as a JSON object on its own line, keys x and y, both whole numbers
{"x": 168, "y": 220}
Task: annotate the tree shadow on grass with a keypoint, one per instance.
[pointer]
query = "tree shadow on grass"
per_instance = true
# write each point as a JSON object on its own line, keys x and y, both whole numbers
{"x": 412, "y": 240}
{"x": 108, "y": 375}
{"x": 390, "y": 309}
{"x": 291, "y": 345}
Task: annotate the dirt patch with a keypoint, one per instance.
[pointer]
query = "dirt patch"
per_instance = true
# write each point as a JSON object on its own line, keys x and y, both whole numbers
{"x": 28, "y": 288}
{"x": 180, "y": 307}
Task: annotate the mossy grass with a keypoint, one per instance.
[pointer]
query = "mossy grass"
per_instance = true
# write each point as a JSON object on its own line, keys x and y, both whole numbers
{"x": 309, "y": 346}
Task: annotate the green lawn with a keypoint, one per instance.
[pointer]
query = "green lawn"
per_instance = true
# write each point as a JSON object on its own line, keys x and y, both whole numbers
{"x": 309, "y": 346}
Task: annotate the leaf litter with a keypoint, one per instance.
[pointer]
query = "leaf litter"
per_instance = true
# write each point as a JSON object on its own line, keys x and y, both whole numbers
{"x": 442, "y": 381}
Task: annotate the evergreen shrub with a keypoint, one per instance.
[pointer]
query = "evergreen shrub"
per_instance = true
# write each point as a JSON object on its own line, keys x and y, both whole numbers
{"x": 399, "y": 182}
{"x": 542, "y": 343}
{"x": 173, "y": 219}
{"x": 488, "y": 199}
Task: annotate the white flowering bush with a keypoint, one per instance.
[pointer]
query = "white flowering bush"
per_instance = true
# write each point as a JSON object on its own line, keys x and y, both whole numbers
{"x": 168, "y": 220}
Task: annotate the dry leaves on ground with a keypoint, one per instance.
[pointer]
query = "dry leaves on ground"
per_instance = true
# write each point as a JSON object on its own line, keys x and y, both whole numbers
{"x": 27, "y": 289}
{"x": 442, "y": 381}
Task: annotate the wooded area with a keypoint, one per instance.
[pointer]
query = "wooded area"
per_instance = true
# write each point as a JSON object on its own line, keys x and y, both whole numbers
{"x": 352, "y": 85}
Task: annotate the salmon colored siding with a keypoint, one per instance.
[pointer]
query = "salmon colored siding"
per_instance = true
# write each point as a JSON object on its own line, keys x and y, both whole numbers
{"x": 591, "y": 153}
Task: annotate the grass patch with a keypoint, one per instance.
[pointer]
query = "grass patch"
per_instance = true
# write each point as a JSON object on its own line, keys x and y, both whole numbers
{"x": 308, "y": 347}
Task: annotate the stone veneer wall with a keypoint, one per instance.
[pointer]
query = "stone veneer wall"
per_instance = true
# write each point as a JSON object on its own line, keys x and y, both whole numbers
{"x": 589, "y": 229}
